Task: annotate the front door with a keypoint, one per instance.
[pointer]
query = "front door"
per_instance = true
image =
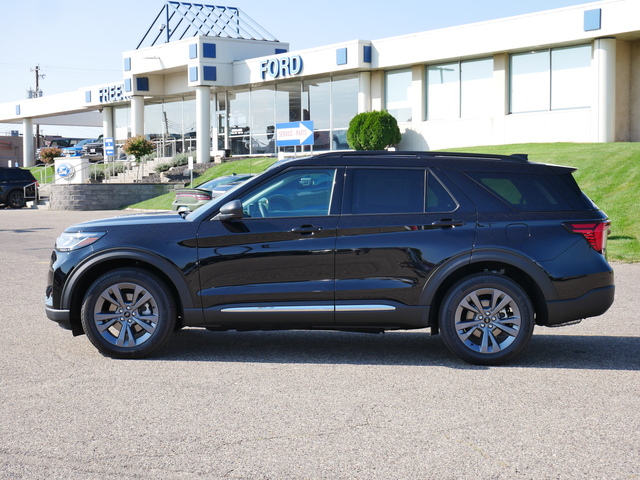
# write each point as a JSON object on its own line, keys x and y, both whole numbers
{"x": 275, "y": 265}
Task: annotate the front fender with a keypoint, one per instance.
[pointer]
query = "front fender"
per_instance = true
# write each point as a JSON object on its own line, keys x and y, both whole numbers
{"x": 170, "y": 271}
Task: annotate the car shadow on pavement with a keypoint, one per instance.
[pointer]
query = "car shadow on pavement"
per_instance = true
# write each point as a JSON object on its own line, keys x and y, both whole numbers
{"x": 393, "y": 348}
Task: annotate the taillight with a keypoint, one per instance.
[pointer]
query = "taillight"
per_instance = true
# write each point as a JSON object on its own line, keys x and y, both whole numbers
{"x": 595, "y": 233}
{"x": 195, "y": 196}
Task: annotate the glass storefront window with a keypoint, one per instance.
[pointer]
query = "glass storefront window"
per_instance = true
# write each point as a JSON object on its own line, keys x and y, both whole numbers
{"x": 530, "y": 87}
{"x": 219, "y": 119}
{"x": 398, "y": 94}
{"x": 443, "y": 91}
{"x": 570, "y": 67}
{"x": 263, "y": 120}
{"x": 289, "y": 102}
{"x": 460, "y": 89}
{"x": 329, "y": 103}
{"x": 344, "y": 106}
{"x": 121, "y": 116}
{"x": 239, "y": 117}
{"x": 318, "y": 109}
{"x": 153, "y": 121}
{"x": 318, "y": 103}
{"x": 550, "y": 79}
{"x": 172, "y": 128}
{"x": 476, "y": 88}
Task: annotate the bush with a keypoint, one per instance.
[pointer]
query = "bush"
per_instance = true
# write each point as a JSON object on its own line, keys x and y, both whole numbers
{"x": 138, "y": 147}
{"x": 177, "y": 161}
{"x": 373, "y": 131}
{"x": 48, "y": 154}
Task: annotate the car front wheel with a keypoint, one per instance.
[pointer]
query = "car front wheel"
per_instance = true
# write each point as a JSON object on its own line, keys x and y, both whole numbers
{"x": 486, "y": 319}
{"x": 128, "y": 313}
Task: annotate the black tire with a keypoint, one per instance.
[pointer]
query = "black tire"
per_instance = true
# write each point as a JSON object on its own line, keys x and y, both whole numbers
{"x": 494, "y": 333}
{"x": 15, "y": 199}
{"x": 128, "y": 313}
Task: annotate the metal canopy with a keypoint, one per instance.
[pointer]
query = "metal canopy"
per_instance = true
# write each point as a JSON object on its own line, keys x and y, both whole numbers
{"x": 178, "y": 20}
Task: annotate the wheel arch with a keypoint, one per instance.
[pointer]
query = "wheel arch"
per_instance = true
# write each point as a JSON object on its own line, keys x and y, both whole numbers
{"x": 85, "y": 274}
{"x": 530, "y": 276}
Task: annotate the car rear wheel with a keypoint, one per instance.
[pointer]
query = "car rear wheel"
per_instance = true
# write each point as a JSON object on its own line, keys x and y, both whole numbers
{"x": 128, "y": 313}
{"x": 486, "y": 319}
{"x": 16, "y": 199}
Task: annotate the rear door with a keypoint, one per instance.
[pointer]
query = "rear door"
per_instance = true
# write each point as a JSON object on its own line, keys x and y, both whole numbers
{"x": 398, "y": 224}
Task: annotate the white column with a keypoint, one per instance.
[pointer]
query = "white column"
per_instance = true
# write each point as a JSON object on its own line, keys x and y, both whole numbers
{"x": 107, "y": 122}
{"x": 137, "y": 115}
{"x": 417, "y": 98}
{"x": 364, "y": 92}
{"x": 377, "y": 90}
{"x": 203, "y": 124}
{"x": 501, "y": 96}
{"x": 28, "y": 152}
{"x": 605, "y": 59}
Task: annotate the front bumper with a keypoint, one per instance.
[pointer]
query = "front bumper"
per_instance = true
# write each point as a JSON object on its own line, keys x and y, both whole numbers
{"x": 63, "y": 317}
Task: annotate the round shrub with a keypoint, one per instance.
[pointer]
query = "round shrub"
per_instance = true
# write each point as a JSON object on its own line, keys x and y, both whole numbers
{"x": 48, "y": 154}
{"x": 375, "y": 130}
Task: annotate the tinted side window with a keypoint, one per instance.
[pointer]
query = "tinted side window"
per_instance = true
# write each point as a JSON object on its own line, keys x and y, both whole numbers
{"x": 293, "y": 193}
{"x": 388, "y": 190}
{"x": 13, "y": 174}
{"x": 385, "y": 190}
{"x": 438, "y": 198}
{"x": 527, "y": 192}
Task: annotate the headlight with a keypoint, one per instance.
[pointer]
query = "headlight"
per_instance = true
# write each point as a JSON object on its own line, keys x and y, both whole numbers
{"x": 69, "y": 241}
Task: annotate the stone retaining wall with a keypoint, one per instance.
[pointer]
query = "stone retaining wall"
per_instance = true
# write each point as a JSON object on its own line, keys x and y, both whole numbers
{"x": 92, "y": 196}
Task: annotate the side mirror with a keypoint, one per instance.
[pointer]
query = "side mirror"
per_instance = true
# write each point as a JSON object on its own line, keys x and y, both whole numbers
{"x": 183, "y": 211}
{"x": 231, "y": 211}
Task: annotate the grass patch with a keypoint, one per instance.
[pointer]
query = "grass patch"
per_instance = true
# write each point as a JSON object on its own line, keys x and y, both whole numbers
{"x": 43, "y": 174}
{"x": 247, "y": 165}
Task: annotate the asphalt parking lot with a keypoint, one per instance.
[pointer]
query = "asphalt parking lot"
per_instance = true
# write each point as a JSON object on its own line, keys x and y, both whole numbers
{"x": 307, "y": 405}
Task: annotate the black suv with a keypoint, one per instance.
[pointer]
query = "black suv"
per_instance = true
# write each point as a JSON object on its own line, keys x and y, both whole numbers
{"x": 16, "y": 187}
{"x": 477, "y": 247}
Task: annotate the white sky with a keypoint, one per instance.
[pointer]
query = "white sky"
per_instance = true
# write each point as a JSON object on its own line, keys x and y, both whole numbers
{"x": 79, "y": 43}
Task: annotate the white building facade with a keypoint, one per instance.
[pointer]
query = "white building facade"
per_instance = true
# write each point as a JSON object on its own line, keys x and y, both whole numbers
{"x": 570, "y": 74}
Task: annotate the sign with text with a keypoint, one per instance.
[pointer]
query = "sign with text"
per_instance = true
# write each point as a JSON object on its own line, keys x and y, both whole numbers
{"x": 109, "y": 147}
{"x": 294, "y": 133}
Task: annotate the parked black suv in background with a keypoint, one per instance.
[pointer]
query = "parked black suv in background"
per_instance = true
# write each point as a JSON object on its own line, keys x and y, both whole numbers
{"x": 477, "y": 247}
{"x": 16, "y": 187}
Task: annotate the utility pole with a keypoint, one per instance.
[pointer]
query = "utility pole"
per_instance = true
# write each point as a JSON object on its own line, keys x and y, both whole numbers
{"x": 35, "y": 94}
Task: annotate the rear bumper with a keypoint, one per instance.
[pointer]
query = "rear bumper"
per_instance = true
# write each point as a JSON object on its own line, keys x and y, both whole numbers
{"x": 591, "y": 304}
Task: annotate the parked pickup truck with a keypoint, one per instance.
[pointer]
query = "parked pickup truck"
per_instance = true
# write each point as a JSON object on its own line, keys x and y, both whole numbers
{"x": 94, "y": 151}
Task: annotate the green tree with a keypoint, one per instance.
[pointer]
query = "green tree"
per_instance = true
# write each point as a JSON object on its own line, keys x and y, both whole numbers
{"x": 138, "y": 147}
{"x": 375, "y": 130}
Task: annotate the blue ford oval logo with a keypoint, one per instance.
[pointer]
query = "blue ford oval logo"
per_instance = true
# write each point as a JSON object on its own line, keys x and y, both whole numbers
{"x": 65, "y": 170}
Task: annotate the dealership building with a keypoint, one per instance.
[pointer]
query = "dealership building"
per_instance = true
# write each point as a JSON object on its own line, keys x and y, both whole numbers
{"x": 209, "y": 79}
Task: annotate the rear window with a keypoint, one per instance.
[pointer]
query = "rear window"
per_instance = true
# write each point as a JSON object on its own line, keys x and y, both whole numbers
{"x": 526, "y": 192}
{"x": 15, "y": 174}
